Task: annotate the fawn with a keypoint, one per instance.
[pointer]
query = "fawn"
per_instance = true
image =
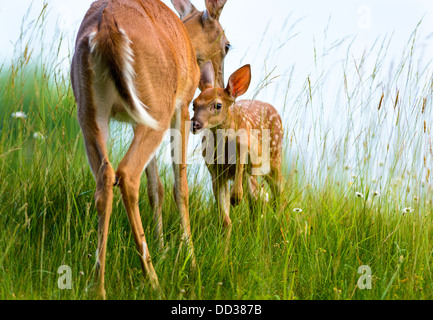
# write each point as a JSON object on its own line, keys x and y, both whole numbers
{"x": 216, "y": 111}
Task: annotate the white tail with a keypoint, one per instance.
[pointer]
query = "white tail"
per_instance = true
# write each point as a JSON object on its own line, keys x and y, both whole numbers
{"x": 122, "y": 72}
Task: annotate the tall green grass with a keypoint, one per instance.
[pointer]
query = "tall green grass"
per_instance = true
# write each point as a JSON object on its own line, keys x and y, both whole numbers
{"x": 382, "y": 143}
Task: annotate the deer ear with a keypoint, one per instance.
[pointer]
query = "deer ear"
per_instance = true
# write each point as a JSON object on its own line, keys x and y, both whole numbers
{"x": 207, "y": 78}
{"x": 239, "y": 81}
{"x": 214, "y": 8}
{"x": 183, "y": 7}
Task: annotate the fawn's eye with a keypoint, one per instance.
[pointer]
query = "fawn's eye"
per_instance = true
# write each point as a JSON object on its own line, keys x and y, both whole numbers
{"x": 218, "y": 106}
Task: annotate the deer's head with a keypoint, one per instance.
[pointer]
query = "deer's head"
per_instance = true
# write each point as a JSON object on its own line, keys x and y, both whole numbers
{"x": 206, "y": 33}
{"x": 212, "y": 106}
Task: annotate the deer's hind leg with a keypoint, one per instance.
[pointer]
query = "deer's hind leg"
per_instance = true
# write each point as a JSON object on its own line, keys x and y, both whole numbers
{"x": 143, "y": 147}
{"x": 155, "y": 191}
{"x": 95, "y": 98}
{"x": 95, "y": 133}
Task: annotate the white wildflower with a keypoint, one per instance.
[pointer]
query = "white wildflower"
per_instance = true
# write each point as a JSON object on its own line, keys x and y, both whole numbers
{"x": 408, "y": 210}
{"x": 18, "y": 115}
{"x": 376, "y": 193}
{"x": 297, "y": 210}
{"x": 38, "y": 136}
{"x": 359, "y": 194}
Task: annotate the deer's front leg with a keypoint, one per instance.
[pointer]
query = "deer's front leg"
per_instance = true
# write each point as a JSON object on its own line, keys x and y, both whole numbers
{"x": 237, "y": 192}
{"x": 180, "y": 189}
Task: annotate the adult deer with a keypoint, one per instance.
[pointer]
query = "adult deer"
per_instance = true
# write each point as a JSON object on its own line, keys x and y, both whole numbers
{"x": 134, "y": 61}
{"x": 210, "y": 43}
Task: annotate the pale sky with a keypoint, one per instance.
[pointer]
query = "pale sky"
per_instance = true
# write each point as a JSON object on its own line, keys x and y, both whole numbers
{"x": 245, "y": 22}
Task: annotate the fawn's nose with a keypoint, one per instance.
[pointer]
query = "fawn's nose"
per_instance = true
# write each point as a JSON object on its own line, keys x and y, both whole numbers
{"x": 196, "y": 126}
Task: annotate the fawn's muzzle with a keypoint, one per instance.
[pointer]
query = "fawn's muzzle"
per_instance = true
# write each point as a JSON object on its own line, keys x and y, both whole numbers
{"x": 196, "y": 126}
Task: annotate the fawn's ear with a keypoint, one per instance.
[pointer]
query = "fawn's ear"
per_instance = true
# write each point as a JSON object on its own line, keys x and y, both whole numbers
{"x": 183, "y": 7}
{"x": 214, "y": 8}
{"x": 239, "y": 81}
{"x": 207, "y": 78}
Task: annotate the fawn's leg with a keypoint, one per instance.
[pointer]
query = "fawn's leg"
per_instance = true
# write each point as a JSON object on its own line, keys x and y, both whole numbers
{"x": 237, "y": 192}
{"x": 221, "y": 191}
{"x": 275, "y": 182}
{"x": 253, "y": 193}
